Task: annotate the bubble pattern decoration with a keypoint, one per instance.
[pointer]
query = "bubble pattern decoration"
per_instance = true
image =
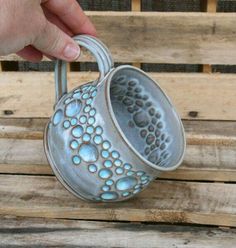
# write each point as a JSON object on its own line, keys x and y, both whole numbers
{"x": 144, "y": 117}
{"x": 91, "y": 149}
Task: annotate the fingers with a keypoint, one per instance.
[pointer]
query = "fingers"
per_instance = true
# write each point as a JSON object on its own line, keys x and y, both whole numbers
{"x": 31, "y": 54}
{"x": 70, "y": 12}
{"x": 55, "y": 20}
{"x": 54, "y": 42}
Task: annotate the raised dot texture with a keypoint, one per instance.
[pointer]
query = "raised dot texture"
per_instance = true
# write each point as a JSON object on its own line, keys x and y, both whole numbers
{"x": 109, "y": 196}
{"x": 77, "y": 131}
{"x": 105, "y": 173}
{"x": 73, "y": 108}
{"x": 57, "y": 117}
{"x": 126, "y": 183}
{"x": 92, "y": 168}
{"x": 88, "y": 152}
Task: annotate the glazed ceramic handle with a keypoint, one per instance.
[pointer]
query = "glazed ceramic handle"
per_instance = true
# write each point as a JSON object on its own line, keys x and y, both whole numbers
{"x": 98, "y": 50}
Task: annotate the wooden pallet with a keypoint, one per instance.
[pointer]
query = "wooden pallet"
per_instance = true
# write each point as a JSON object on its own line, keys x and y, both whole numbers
{"x": 194, "y": 206}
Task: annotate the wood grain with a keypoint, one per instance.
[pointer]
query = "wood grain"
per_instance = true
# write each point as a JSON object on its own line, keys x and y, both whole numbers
{"x": 32, "y": 232}
{"x": 163, "y": 201}
{"x": 196, "y": 96}
{"x": 167, "y": 37}
{"x": 202, "y": 162}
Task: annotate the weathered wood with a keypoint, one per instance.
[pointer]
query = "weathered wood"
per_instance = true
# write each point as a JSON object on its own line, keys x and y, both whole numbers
{"x": 163, "y": 201}
{"x": 196, "y": 96}
{"x": 197, "y": 132}
{"x": 167, "y": 37}
{"x": 202, "y": 162}
{"x": 71, "y": 233}
{"x": 211, "y": 153}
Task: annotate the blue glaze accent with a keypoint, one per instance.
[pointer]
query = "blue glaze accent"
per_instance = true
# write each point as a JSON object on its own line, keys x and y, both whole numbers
{"x": 109, "y": 182}
{"x": 90, "y": 129}
{"x": 144, "y": 178}
{"x": 115, "y": 154}
{"x": 76, "y": 160}
{"x": 138, "y": 186}
{"x": 73, "y": 108}
{"x": 130, "y": 173}
{"x": 97, "y": 139}
{"x": 105, "y": 154}
{"x": 89, "y": 101}
{"x": 126, "y": 183}
{"x": 144, "y": 182}
{"x": 57, "y": 117}
{"x": 125, "y": 194}
{"x": 106, "y": 145}
{"x": 119, "y": 171}
{"x": 92, "y": 112}
{"x": 94, "y": 93}
{"x": 92, "y": 168}
{"x": 136, "y": 191}
{"x": 85, "y": 96}
{"x": 73, "y": 122}
{"x": 108, "y": 163}
{"x": 106, "y": 188}
{"x": 86, "y": 88}
{"x": 99, "y": 130}
{"x": 109, "y": 196}
{"x": 83, "y": 119}
{"x": 66, "y": 124}
{"x": 127, "y": 166}
{"x": 77, "y": 95}
{"x": 105, "y": 173}
{"x": 67, "y": 100}
{"x": 91, "y": 120}
{"x": 74, "y": 144}
{"x": 117, "y": 162}
{"x": 86, "y": 137}
{"x": 88, "y": 152}
{"x": 87, "y": 108}
{"x": 140, "y": 173}
{"x": 77, "y": 131}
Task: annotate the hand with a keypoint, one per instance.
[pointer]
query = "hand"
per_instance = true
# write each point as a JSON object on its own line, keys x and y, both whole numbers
{"x": 34, "y": 28}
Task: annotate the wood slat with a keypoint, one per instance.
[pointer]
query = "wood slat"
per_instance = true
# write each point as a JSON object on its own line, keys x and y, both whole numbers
{"x": 196, "y": 96}
{"x": 28, "y": 232}
{"x": 163, "y": 201}
{"x": 166, "y": 37}
{"x": 202, "y": 162}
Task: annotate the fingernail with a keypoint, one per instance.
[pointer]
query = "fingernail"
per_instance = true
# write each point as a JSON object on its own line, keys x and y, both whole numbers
{"x": 71, "y": 52}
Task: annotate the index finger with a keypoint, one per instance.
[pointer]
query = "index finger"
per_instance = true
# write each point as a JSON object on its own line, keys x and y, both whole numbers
{"x": 70, "y": 13}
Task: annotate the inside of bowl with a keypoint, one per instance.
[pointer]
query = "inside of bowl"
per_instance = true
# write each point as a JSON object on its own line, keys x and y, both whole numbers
{"x": 146, "y": 117}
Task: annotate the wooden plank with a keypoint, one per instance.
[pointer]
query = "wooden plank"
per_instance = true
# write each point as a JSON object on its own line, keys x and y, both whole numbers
{"x": 208, "y": 6}
{"x": 167, "y": 37}
{"x": 210, "y": 151}
{"x": 163, "y": 201}
{"x": 202, "y": 162}
{"x": 71, "y": 233}
{"x": 196, "y": 96}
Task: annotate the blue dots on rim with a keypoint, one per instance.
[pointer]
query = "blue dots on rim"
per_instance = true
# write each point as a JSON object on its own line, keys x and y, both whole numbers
{"x": 77, "y": 131}
{"x": 90, "y": 129}
{"x": 109, "y": 182}
{"x": 99, "y": 130}
{"x": 105, "y": 173}
{"x": 83, "y": 119}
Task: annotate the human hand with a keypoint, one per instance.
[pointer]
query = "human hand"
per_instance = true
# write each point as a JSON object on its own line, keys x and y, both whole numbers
{"x": 33, "y": 28}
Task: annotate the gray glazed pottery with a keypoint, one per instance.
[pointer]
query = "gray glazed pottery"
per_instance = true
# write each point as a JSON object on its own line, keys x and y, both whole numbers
{"x": 108, "y": 139}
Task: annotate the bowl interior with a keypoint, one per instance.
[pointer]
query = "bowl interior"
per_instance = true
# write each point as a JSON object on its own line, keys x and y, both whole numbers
{"x": 146, "y": 117}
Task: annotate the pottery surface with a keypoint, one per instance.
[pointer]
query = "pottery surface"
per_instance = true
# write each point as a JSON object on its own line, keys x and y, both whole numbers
{"x": 108, "y": 139}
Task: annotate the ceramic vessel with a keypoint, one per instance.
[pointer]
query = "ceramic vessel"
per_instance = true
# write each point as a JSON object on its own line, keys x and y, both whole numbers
{"x": 108, "y": 139}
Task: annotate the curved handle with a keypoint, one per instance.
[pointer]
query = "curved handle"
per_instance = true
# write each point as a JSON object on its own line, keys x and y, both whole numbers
{"x": 98, "y": 50}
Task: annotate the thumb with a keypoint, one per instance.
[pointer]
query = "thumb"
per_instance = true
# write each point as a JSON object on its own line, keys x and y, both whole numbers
{"x": 53, "y": 41}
